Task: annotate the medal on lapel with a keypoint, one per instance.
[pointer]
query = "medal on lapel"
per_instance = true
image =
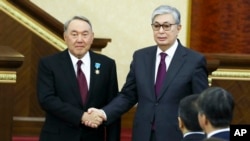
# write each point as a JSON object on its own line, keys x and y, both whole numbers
{"x": 97, "y": 67}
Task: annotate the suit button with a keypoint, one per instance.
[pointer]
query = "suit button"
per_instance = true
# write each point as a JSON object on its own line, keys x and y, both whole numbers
{"x": 156, "y": 104}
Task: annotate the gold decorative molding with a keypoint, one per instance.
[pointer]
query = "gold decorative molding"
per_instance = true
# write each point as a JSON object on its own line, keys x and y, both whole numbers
{"x": 209, "y": 81}
{"x": 31, "y": 119}
{"x": 231, "y": 74}
{"x": 7, "y": 77}
{"x": 188, "y": 23}
{"x": 31, "y": 24}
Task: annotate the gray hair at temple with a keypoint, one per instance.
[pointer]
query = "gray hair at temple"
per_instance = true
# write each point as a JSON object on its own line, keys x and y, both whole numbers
{"x": 165, "y": 9}
{"x": 77, "y": 18}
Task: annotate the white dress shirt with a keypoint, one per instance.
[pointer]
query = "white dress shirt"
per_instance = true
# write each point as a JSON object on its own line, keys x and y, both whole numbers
{"x": 85, "y": 65}
{"x": 170, "y": 53}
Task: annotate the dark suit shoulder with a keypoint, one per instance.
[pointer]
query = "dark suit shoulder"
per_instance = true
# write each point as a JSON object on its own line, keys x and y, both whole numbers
{"x": 146, "y": 49}
{"x": 194, "y": 52}
{"x": 223, "y": 135}
{"x": 188, "y": 53}
{"x": 101, "y": 57}
{"x": 55, "y": 55}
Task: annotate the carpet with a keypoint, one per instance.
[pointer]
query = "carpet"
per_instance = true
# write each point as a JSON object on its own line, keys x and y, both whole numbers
{"x": 125, "y": 136}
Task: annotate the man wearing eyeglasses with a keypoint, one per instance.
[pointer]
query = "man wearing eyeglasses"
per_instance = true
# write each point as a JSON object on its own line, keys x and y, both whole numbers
{"x": 159, "y": 77}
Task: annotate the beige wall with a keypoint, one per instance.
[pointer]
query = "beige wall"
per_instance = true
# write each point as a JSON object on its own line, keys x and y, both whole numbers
{"x": 126, "y": 22}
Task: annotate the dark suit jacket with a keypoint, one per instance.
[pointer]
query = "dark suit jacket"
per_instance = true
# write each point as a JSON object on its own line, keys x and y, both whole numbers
{"x": 187, "y": 74}
{"x": 222, "y": 135}
{"x": 194, "y": 137}
{"x": 59, "y": 97}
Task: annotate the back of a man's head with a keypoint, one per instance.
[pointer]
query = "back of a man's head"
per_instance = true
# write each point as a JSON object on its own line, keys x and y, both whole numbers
{"x": 188, "y": 113}
{"x": 217, "y": 105}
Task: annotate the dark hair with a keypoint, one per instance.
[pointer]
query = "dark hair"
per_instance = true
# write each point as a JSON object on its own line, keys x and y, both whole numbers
{"x": 188, "y": 112}
{"x": 217, "y": 104}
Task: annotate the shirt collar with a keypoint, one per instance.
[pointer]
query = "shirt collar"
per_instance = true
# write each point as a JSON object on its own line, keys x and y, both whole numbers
{"x": 84, "y": 59}
{"x": 189, "y": 133}
{"x": 170, "y": 51}
{"x": 217, "y": 131}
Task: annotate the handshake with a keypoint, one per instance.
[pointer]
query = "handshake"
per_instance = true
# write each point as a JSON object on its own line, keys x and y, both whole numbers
{"x": 93, "y": 117}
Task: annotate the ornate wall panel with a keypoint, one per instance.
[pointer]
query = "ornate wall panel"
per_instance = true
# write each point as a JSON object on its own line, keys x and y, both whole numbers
{"x": 241, "y": 95}
{"x": 219, "y": 26}
{"x": 220, "y": 29}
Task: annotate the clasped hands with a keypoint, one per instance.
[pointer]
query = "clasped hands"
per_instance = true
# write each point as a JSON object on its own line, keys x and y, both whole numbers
{"x": 93, "y": 117}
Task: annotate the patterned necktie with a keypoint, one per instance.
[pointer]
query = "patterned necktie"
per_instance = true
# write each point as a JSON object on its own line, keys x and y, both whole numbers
{"x": 82, "y": 82}
{"x": 160, "y": 74}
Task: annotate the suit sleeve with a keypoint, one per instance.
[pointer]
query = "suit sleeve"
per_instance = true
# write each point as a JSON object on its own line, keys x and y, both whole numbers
{"x": 125, "y": 100}
{"x": 200, "y": 76}
{"x": 48, "y": 97}
{"x": 113, "y": 130}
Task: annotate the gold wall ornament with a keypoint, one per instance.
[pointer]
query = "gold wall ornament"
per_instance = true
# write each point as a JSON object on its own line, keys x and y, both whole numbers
{"x": 33, "y": 25}
{"x": 209, "y": 81}
{"x": 231, "y": 74}
{"x": 7, "y": 77}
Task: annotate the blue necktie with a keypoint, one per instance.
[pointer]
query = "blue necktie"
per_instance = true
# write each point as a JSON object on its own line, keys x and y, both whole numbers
{"x": 82, "y": 82}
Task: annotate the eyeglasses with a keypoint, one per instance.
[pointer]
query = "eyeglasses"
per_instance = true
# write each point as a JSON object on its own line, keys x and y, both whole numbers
{"x": 165, "y": 26}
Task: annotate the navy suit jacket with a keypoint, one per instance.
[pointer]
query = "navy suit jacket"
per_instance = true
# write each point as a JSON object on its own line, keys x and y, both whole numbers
{"x": 187, "y": 74}
{"x": 222, "y": 135}
{"x": 59, "y": 97}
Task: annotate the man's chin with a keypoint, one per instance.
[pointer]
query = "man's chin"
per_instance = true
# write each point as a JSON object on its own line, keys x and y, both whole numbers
{"x": 162, "y": 44}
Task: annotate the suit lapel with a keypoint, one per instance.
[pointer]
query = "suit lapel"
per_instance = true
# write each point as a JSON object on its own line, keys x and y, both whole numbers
{"x": 94, "y": 77}
{"x": 69, "y": 74}
{"x": 92, "y": 73}
{"x": 149, "y": 62}
{"x": 173, "y": 69}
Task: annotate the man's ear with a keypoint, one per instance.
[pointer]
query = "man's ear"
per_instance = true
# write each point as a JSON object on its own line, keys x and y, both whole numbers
{"x": 64, "y": 36}
{"x": 179, "y": 27}
{"x": 206, "y": 121}
{"x": 202, "y": 119}
{"x": 180, "y": 123}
